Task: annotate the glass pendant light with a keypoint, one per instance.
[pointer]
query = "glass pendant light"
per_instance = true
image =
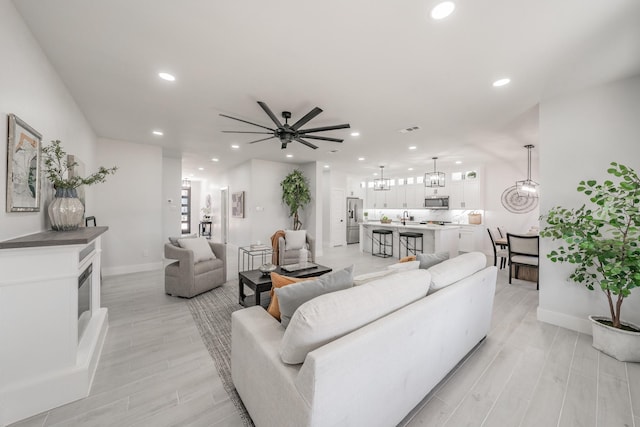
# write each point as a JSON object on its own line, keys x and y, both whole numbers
{"x": 435, "y": 178}
{"x": 527, "y": 187}
{"x": 382, "y": 183}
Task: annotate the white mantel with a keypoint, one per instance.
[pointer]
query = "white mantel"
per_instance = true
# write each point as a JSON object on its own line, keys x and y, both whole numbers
{"x": 43, "y": 362}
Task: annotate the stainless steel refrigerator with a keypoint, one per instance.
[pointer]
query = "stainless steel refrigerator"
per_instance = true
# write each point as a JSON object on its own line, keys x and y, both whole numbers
{"x": 354, "y": 218}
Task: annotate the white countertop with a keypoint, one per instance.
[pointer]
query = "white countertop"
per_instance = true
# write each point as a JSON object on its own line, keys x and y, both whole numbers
{"x": 415, "y": 226}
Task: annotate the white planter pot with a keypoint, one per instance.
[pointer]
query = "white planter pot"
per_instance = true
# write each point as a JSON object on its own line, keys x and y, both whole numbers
{"x": 617, "y": 343}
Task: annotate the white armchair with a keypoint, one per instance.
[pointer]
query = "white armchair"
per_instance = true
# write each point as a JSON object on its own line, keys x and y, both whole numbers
{"x": 290, "y": 254}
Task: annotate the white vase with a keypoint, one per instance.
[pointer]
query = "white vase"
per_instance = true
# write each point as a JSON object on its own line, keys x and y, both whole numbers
{"x": 66, "y": 210}
{"x": 617, "y": 343}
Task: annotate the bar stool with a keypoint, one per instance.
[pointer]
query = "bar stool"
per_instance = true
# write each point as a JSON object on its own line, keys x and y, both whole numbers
{"x": 409, "y": 235}
{"x": 383, "y": 243}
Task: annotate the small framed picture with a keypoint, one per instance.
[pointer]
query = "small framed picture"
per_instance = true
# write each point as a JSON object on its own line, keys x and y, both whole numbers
{"x": 24, "y": 152}
{"x": 237, "y": 204}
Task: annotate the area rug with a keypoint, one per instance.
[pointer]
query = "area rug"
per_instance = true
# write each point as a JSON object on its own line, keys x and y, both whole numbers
{"x": 212, "y": 313}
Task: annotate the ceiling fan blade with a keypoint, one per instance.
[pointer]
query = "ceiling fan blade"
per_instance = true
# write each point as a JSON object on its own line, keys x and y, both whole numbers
{"x": 263, "y": 139}
{"x": 324, "y": 138}
{"x": 310, "y": 115}
{"x": 308, "y": 144}
{"x": 344, "y": 126}
{"x": 267, "y": 110}
{"x": 244, "y": 121}
{"x": 240, "y": 131}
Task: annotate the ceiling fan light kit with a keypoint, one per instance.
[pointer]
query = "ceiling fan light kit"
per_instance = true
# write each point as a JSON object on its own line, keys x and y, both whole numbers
{"x": 382, "y": 183}
{"x": 527, "y": 187}
{"x": 287, "y": 133}
{"x": 435, "y": 178}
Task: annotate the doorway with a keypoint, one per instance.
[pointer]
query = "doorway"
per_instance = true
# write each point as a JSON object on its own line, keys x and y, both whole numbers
{"x": 224, "y": 215}
{"x": 338, "y": 227}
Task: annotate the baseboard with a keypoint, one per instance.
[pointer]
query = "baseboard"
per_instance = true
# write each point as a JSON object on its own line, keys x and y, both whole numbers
{"x": 577, "y": 324}
{"x": 127, "y": 269}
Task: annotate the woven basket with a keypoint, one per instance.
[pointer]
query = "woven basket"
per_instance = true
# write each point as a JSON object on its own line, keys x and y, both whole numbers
{"x": 475, "y": 218}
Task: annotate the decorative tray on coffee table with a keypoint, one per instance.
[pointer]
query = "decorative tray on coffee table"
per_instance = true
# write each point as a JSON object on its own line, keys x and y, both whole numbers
{"x": 290, "y": 268}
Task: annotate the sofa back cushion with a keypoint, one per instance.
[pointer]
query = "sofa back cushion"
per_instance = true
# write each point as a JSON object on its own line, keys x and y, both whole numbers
{"x": 278, "y": 281}
{"x": 331, "y": 316}
{"x": 295, "y": 239}
{"x": 455, "y": 269}
{"x": 429, "y": 260}
{"x": 292, "y": 296}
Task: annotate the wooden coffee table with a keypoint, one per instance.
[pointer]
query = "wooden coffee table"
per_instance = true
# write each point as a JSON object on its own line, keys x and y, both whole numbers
{"x": 260, "y": 283}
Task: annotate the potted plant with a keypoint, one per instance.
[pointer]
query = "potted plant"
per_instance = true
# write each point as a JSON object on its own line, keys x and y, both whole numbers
{"x": 66, "y": 210}
{"x": 602, "y": 241}
{"x": 296, "y": 195}
{"x": 366, "y": 216}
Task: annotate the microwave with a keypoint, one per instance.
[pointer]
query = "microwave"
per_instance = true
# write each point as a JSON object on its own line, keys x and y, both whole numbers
{"x": 436, "y": 202}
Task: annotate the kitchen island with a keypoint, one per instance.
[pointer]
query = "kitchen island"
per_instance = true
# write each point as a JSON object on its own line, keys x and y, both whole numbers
{"x": 435, "y": 238}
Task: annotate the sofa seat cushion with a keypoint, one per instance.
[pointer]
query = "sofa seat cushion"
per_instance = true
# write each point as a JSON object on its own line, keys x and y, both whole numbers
{"x": 331, "y": 316}
{"x": 525, "y": 259}
{"x": 455, "y": 269}
{"x": 293, "y": 296}
{"x": 205, "y": 266}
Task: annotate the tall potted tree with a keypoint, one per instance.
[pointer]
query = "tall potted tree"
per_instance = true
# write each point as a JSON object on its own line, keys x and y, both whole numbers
{"x": 296, "y": 195}
{"x": 602, "y": 241}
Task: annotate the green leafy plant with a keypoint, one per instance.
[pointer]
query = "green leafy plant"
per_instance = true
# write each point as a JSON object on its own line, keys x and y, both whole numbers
{"x": 296, "y": 195}
{"x": 602, "y": 239}
{"x": 57, "y": 168}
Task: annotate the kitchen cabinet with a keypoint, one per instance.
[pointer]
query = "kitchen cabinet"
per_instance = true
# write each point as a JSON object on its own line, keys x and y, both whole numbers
{"x": 466, "y": 193}
{"x": 470, "y": 238}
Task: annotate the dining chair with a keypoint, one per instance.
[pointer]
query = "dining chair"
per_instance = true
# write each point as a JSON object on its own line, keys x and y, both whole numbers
{"x": 523, "y": 250}
{"x": 497, "y": 253}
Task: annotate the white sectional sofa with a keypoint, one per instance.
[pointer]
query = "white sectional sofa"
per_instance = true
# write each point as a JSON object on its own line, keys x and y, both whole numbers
{"x": 387, "y": 355}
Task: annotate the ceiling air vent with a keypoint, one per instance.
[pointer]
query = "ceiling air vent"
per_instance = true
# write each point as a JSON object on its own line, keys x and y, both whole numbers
{"x": 409, "y": 129}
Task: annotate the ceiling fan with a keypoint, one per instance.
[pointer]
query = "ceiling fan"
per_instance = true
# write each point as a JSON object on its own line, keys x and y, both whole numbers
{"x": 288, "y": 133}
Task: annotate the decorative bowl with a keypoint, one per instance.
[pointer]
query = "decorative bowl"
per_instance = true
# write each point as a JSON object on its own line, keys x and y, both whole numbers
{"x": 267, "y": 268}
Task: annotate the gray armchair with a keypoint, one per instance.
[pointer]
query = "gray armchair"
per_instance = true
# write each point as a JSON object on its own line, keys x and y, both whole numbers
{"x": 183, "y": 278}
{"x": 293, "y": 256}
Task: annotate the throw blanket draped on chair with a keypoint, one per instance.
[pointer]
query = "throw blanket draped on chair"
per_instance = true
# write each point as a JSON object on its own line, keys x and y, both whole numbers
{"x": 274, "y": 246}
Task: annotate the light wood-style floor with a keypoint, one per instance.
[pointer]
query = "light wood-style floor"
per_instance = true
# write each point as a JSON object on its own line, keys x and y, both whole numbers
{"x": 156, "y": 371}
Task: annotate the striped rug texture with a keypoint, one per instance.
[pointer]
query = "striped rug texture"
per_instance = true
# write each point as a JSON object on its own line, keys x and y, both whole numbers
{"x": 212, "y": 314}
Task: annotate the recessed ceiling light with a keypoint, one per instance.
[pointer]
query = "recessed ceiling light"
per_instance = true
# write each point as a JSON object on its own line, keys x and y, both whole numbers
{"x": 355, "y": 133}
{"x": 326, "y": 166}
{"x": 410, "y": 169}
{"x": 235, "y": 146}
{"x": 442, "y": 10}
{"x": 501, "y": 82}
{"x": 166, "y": 76}
{"x": 458, "y": 162}
{"x": 200, "y": 169}
{"x": 413, "y": 147}
{"x": 360, "y": 159}
{"x": 215, "y": 159}
{"x": 158, "y": 132}
{"x": 375, "y": 174}
{"x": 289, "y": 155}
{"x": 191, "y": 174}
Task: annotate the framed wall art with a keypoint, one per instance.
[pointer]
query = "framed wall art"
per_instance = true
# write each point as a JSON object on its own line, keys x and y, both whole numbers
{"x": 237, "y": 204}
{"x": 24, "y": 152}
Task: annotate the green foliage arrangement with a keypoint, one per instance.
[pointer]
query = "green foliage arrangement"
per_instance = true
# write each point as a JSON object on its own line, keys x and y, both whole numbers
{"x": 602, "y": 239}
{"x": 57, "y": 167}
{"x": 296, "y": 195}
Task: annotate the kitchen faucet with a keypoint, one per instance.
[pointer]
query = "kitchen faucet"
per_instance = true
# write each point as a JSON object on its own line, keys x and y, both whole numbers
{"x": 405, "y": 217}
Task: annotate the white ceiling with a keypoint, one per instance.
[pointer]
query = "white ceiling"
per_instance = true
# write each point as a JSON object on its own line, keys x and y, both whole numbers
{"x": 380, "y": 66}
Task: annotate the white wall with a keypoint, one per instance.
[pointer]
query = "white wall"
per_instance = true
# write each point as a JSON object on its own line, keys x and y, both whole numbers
{"x": 130, "y": 203}
{"x": 171, "y": 185}
{"x": 313, "y": 220}
{"x": 31, "y": 89}
{"x": 580, "y": 134}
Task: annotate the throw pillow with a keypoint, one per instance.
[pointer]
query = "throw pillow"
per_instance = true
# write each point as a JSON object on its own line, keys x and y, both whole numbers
{"x": 294, "y": 239}
{"x": 408, "y": 258}
{"x": 278, "y": 281}
{"x": 456, "y": 269}
{"x": 293, "y": 296}
{"x": 200, "y": 247}
{"x": 404, "y": 266}
{"x": 174, "y": 240}
{"x": 429, "y": 260}
{"x": 331, "y": 316}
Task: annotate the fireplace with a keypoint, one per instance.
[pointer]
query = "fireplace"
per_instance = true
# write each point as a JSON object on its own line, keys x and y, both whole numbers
{"x": 84, "y": 300}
